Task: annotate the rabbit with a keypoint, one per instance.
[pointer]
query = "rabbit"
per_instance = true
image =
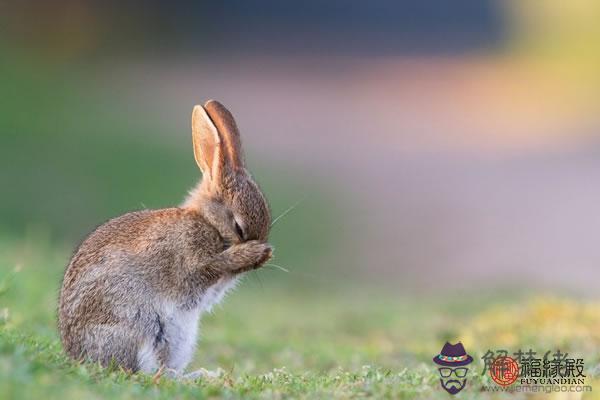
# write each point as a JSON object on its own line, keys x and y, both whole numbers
{"x": 134, "y": 290}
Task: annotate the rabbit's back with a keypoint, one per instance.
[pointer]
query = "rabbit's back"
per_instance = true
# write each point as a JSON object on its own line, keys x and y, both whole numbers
{"x": 162, "y": 236}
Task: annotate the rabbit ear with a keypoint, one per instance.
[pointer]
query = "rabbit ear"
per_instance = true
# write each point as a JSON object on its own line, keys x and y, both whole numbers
{"x": 228, "y": 132}
{"x": 207, "y": 143}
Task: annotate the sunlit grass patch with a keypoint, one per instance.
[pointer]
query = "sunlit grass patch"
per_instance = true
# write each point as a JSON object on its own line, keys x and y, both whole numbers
{"x": 542, "y": 323}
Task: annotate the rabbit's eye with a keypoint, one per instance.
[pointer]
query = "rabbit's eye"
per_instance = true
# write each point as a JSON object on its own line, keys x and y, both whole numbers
{"x": 238, "y": 230}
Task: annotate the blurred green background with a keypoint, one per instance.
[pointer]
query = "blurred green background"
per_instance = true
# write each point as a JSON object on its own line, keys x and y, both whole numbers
{"x": 445, "y": 156}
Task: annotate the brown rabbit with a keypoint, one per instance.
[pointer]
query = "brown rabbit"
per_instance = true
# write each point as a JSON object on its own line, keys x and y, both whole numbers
{"x": 134, "y": 290}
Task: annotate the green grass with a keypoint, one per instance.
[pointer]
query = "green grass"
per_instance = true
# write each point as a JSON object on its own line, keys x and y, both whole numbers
{"x": 37, "y": 369}
{"x": 277, "y": 339}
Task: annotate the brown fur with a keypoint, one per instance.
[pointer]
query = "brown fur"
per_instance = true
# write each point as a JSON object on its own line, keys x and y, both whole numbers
{"x": 117, "y": 283}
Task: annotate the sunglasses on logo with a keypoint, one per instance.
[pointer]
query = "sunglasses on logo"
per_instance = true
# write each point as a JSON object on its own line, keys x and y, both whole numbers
{"x": 459, "y": 372}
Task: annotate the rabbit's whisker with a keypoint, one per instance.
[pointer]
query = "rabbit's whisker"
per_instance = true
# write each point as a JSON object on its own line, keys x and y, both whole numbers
{"x": 283, "y": 214}
{"x": 278, "y": 267}
{"x": 259, "y": 280}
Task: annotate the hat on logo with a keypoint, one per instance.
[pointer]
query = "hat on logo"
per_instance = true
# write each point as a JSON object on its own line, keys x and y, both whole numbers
{"x": 453, "y": 355}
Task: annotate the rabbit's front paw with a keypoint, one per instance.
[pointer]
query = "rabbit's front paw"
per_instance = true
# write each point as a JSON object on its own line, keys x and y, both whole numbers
{"x": 249, "y": 255}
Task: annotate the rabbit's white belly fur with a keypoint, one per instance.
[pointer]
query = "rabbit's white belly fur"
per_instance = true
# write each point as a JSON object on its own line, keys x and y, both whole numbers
{"x": 181, "y": 328}
{"x": 216, "y": 292}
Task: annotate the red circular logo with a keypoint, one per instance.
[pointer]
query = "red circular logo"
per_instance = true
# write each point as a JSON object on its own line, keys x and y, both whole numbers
{"x": 504, "y": 371}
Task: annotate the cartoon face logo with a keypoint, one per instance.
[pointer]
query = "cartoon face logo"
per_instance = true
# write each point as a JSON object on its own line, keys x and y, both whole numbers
{"x": 453, "y": 373}
{"x": 453, "y": 379}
